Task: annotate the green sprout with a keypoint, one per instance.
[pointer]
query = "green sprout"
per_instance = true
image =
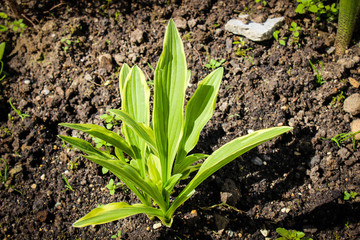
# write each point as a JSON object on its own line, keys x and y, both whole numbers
{"x": 263, "y": 2}
{"x": 291, "y": 235}
{"x": 214, "y": 64}
{"x": 318, "y": 8}
{"x": 319, "y": 73}
{"x": 4, "y": 179}
{"x": 117, "y": 236}
{"x": 351, "y": 195}
{"x": 21, "y": 115}
{"x": 2, "y": 50}
{"x": 282, "y": 41}
{"x": 68, "y": 187}
{"x": 111, "y": 186}
{"x": 339, "y": 139}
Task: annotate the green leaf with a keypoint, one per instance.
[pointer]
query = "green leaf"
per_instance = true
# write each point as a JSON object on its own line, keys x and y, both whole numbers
{"x": 85, "y": 146}
{"x": 169, "y": 94}
{"x": 135, "y": 102}
{"x": 104, "y": 134}
{"x": 2, "y": 50}
{"x": 300, "y": 9}
{"x": 140, "y": 129}
{"x": 179, "y": 167}
{"x": 224, "y": 155}
{"x": 125, "y": 70}
{"x": 127, "y": 173}
{"x": 115, "y": 211}
{"x": 313, "y": 8}
{"x": 198, "y": 111}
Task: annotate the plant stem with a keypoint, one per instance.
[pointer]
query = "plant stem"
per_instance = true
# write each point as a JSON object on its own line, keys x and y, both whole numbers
{"x": 347, "y": 19}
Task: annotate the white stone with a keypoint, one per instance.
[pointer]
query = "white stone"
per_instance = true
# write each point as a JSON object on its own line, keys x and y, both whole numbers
{"x": 156, "y": 225}
{"x": 254, "y": 31}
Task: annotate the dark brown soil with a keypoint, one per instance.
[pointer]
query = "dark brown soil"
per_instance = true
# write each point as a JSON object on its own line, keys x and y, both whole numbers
{"x": 301, "y": 182}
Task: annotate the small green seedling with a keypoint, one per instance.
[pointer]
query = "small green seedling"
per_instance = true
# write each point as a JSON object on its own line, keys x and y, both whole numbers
{"x": 319, "y": 73}
{"x": 21, "y": 115}
{"x": 351, "y": 195}
{"x": 318, "y": 8}
{"x": 339, "y": 98}
{"x": 339, "y": 139}
{"x": 17, "y": 25}
{"x": 295, "y": 29}
{"x": 3, "y": 178}
{"x": 291, "y": 235}
{"x": 117, "y": 236}
{"x": 67, "y": 43}
{"x": 263, "y": 2}
{"x": 282, "y": 41}
{"x": 73, "y": 165}
{"x": 111, "y": 186}
{"x": 214, "y": 64}
{"x": 68, "y": 187}
{"x": 111, "y": 120}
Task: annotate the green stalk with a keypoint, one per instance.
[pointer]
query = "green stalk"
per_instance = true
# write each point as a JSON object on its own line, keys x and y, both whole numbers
{"x": 349, "y": 9}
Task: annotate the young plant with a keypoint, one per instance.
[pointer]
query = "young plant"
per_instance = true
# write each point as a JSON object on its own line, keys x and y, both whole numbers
{"x": 159, "y": 148}
{"x": 282, "y": 41}
{"x": 16, "y": 25}
{"x": 214, "y": 64}
{"x": 110, "y": 120}
{"x": 263, "y": 2}
{"x": 291, "y": 235}
{"x": 349, "y": 10}
{"x": 348, "y": 195}
{"x": 111, "y": 186}
{"x": 68, "y": 187}
{"x": 117, "y": 236}
{"x": 295, "y": 29}
{"x": 318, "y": 8}
{"x": 3, "y": 178}
{"x": 342, "y": 137}
{"x": 21, "y": 115}
{"x": 319, "y": 73}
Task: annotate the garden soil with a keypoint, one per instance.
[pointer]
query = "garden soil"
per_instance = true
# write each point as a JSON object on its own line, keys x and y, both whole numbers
{"x": 64, "y": 68}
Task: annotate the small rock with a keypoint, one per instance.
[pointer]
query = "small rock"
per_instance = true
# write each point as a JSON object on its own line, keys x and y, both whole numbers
{"x": 230, "y": 193}
{"x": 308, "y": 229}
{"x": 315, "y": 160}
{"x": 257, "y": 161}
{"x": 27, "y": 81}
{"x": 42, "y": 177}
{"x": 355, "y": 127}
{"x": 137, "y": 36}
{"x": 229, "y": 45}
{"x": 353, "y": 82}
{"x": 202, "y": 27}
{"x": 352, "y": 104}
{"x": 218, "y": 32}
{"x": 15, "y": 170}
{"x": 192, "y": 22}
{"x": 42, "y": 216}
{"x": 223, "y": 106}
{"x": 87, "y": 77}
{"x": 105, "y": 62}
{"x": 33, "y": 186}
{"x": 180, "y": 23}
{"x": 344, "y": 153}
{"x": 157, "y": 225}
{"x": 45, "y": 91}
{"x": 330, "y": 50}
{"x": 221, "y": 222}
{"x": 264, "y": 232}
{"x": 119, "y": 59}
{"x": 254, "y": 31}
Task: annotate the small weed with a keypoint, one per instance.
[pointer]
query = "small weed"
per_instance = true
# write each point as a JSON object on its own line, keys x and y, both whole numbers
{"x": 21, "y": 115}
{"x": 3, "y": 178}
{"x": 187, "y": 37}
{"x": 295, "y": 29}
{"x": 319, "y": 73}
{"x": 110, "y": 119}
{"x": 111, "y": 186}
{"x": 342, "y": 137}
{"x": 318, "y": 8}
{"x": 67, "y": 43}
{"x": 117, "y": 236}
{"x": 337, "y": 99}
{"x": 214, "y": 64}
{"x": 291, "y": 235}
{"x": 263, "y": 2}
{"x": 68, "y": 187}
{"x": 282, "y": 41}
{"x": 73, "y": 165}
{"x": 351, "y": 195}
{"x": 16, "y": 25}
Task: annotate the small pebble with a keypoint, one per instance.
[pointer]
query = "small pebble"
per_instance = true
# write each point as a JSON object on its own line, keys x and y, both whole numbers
{"x": 45, "y": 91}
{"x": 27, "y": 81}
{"x": 157, "y": 225}
{"x": 264, "y": 232}
{"x": 33, "y": 186}
{"x": 257, "y": 161}
{"x": 42, "y": 177}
